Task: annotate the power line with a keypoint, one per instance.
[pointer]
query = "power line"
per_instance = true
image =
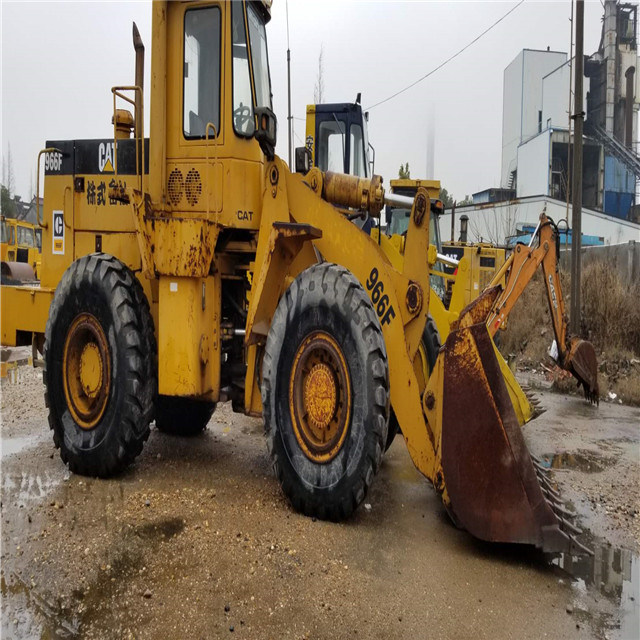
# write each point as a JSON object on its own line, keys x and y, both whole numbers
{"x": 442, "y": 64}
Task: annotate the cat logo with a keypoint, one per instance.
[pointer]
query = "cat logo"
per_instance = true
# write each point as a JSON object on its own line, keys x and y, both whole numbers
{"x": 58, "y": 233}
{"x": 105, "y": 157}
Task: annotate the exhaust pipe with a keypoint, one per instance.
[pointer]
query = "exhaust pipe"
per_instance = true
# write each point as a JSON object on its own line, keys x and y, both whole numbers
{"x": 139, "y": 49}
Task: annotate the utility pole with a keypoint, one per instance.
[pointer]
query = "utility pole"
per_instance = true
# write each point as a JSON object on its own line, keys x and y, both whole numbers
{"x": 576, "y": 190}
{"x": 290, "y": 117}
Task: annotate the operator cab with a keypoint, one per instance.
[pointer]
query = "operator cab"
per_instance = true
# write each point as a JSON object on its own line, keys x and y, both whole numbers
{"x": 397, "y": 219}
{"x": 338, "y": 139}
{"x": 252, "y": 100}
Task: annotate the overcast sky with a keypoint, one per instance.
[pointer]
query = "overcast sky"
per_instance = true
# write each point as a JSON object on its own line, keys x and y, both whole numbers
{"x": 60, "y": 60}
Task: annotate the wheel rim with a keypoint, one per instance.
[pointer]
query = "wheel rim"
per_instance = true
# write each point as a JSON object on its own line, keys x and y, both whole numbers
{"x": 320, "y": 397}
{"x": 86, "y": 370}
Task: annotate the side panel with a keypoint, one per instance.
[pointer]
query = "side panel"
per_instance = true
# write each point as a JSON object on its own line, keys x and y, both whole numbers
{"x": 57, "y": 234}
{"x": 23, "y": 309}
{"x": 122, "y": 245}
{"x": 189, "y": 337}
{"x": 76, "y": 198}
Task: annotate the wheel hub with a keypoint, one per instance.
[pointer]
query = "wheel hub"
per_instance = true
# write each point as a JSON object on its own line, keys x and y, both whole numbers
{"x": 90, "y": 370}
{"x": 320, "y": 397}
{"x": 86, "y": 370}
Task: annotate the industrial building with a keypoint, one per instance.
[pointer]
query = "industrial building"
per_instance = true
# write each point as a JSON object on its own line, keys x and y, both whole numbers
{"x": 537, "y": 140}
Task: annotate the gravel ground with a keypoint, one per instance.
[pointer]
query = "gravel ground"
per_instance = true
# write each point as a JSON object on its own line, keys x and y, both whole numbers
{"x": 602, "y": 444}
{"x": 196, "y": 540}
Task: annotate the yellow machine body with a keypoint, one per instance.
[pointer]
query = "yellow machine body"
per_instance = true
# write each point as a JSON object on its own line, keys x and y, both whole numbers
{"x": 482, "y": 262}
{"x": 186, "y": 259}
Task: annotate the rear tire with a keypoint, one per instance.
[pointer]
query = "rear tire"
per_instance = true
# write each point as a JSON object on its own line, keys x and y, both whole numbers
{"x": 99, "y": 366}
{"x": 183, "y": 416}
{"x": 430, "y": 347}
{"x": 325, "y": 392}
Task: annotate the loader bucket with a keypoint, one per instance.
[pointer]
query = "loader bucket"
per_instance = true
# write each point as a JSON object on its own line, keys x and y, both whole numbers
{"x": 496, "y": 491}
{"x": 583, "y": 364}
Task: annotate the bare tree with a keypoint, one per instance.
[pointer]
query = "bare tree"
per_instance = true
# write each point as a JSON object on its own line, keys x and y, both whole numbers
{"x": 10, "y": 183}
{"x": 9, "y": 178}
{"x": 318, "y": 91}
{"x": 495, "y": 225}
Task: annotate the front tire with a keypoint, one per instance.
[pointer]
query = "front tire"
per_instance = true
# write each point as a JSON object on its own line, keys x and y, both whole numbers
{"x": 100, "y": 373}
{"x": 325, "y": 392}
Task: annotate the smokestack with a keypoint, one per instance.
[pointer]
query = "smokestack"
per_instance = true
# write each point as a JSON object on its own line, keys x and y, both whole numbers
{"x": 464, "y": 222}
{"x": 139, "y": 48}
{"x": 431, "y": 143}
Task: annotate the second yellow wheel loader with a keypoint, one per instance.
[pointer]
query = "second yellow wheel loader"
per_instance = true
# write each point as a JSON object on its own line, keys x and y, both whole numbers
{"x": 193, "y": 267}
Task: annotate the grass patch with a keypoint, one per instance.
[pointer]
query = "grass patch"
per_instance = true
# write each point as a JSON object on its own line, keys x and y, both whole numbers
{"x": 610, "y": 320}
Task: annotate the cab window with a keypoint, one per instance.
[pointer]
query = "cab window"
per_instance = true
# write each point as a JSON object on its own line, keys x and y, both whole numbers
{"x": 357, "y": 159}
{"x": 243, "y": 121}
{"x": 331, "y": 146}
{"x": 201, "y": 87}
{"x": 4, "y": 232}
{"x": 25, "y": 237}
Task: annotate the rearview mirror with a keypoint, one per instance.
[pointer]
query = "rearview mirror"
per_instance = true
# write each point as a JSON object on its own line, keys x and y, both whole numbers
{"x": 266, "y": 129}
{"x": 303, "y": 160}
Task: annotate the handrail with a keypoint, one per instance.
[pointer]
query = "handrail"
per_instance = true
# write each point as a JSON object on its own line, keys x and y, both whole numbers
{"x": 67, "y": 189}
{"x": 206, "y": 136}
{"x": 138, "y": 135}
{"x": 43, "y": 224}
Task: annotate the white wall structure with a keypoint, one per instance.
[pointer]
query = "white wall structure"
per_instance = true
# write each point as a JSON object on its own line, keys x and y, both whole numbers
{"x": 533, "y": 165}
{"x": 511, "y": 117}
{"x": 494, "y": 222}
{"x": 555, "y": 97}
{"x": 522, "y": 102}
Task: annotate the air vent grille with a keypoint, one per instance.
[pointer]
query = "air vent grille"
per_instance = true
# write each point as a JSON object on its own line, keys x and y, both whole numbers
{"x": 176, "y": 186}
{"x": 193, "y": 187}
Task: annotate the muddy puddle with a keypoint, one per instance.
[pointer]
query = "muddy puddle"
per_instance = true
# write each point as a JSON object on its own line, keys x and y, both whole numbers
{"x": 585, "y": 461}
{"x": 27, "y": 615}
{"x": 611, "y": 573}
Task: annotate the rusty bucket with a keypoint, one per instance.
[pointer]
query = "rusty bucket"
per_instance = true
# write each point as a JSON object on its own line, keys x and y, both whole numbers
{"x": 583, "y": 364}
{"x": 496, "y": 490}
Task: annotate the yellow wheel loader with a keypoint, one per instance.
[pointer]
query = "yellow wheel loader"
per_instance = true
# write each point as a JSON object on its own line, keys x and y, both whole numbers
{"x": 193, "y": 267}
{"x": 19, "y": 250}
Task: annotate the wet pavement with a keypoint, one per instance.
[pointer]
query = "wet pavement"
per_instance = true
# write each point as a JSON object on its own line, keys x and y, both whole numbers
{"x": 196, "y": 540}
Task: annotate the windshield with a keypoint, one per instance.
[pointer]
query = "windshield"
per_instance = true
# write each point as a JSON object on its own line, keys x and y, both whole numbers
{"x": 398, "y": 226}
{"x": 259, "y": 58}
{"x": 399, "y": 222}
{"x": 331, "y": 145}
{"x": 4, "y": 231}
{"x": 243, "y": 120}
{"x": 25, "y": 237}
{"x": 357, "y": 157}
